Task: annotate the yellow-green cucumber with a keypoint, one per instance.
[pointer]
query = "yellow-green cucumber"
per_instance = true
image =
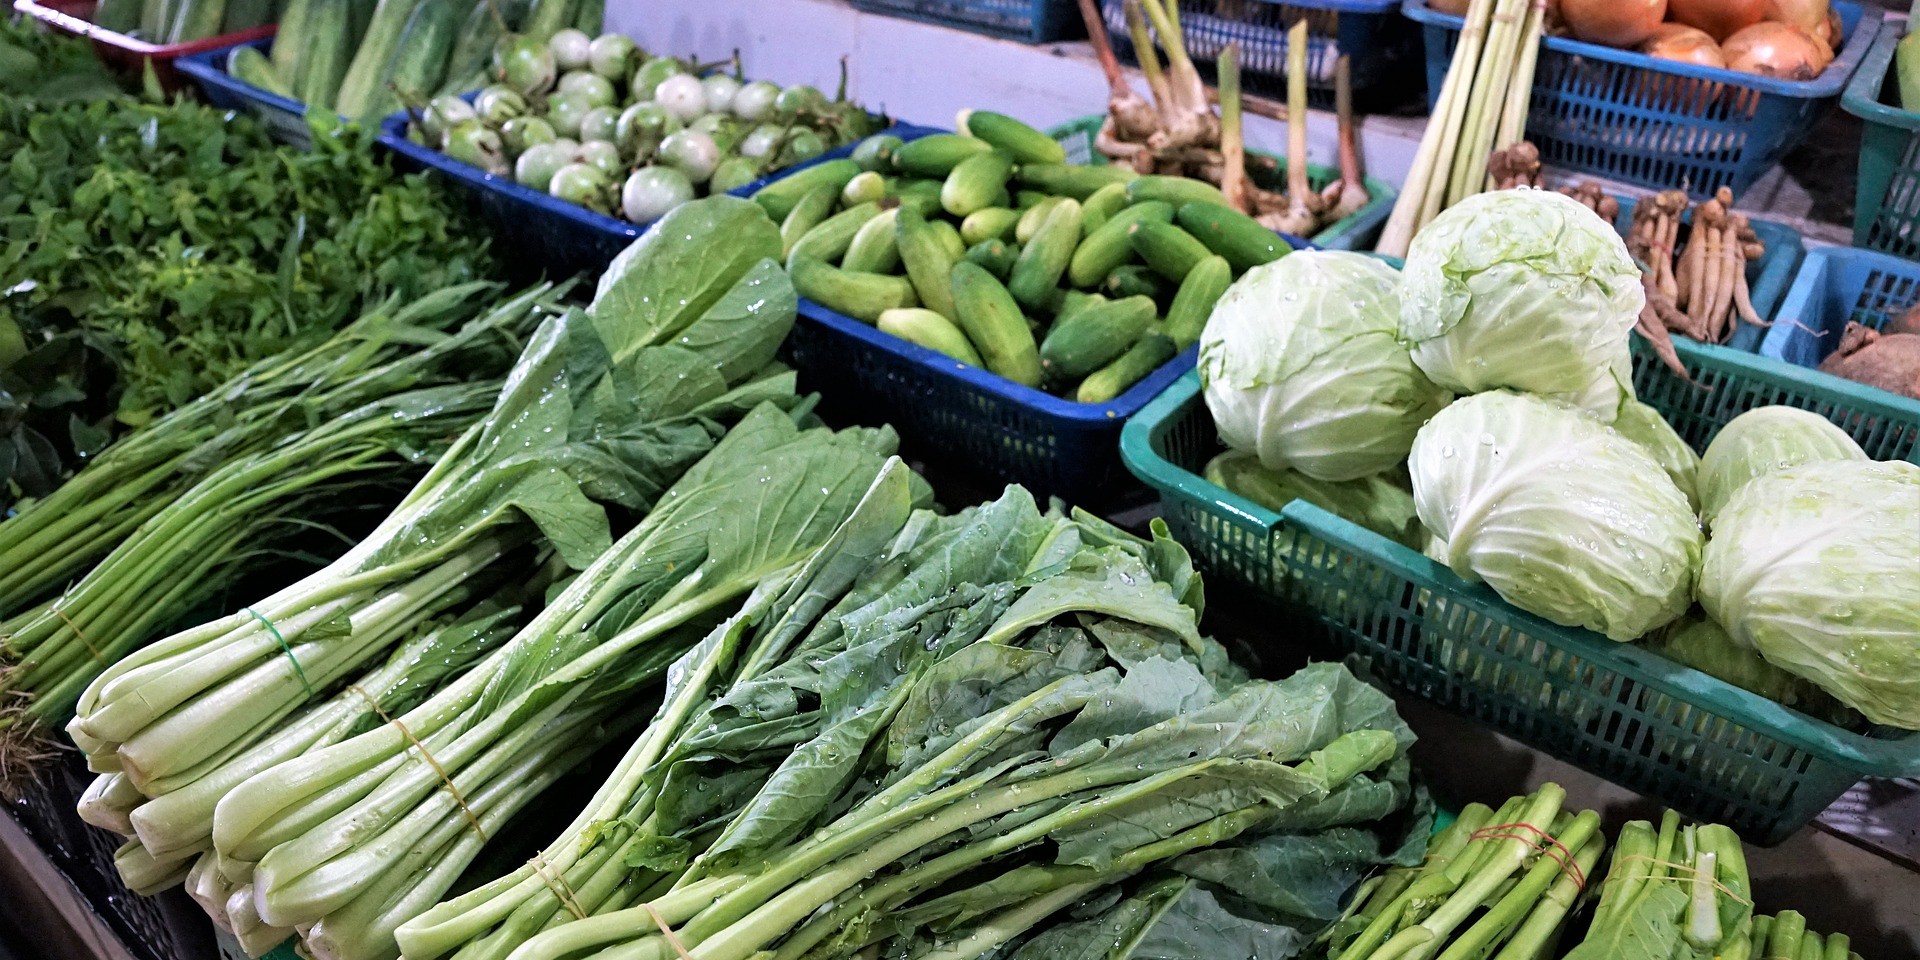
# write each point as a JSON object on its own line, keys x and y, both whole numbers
{"x": 922, "y": 195}
{"x": 874, "y": 249}
{"x": 1193, "y": 303}
{"x": 1112, "y": 380}
{"x": 931, "y": 330}
{"x": 1101, "y": 206}
{"x": 1109, "y": 247}
{"x": 1095, "y": 335}
{"x": 862, "y": 296}
{"x": 420, "y": 60}
{"x": 812, "y": 210}
{"x": 1077, "y": 182}
{"x": 1034, "y": 216}
{"x": 1016, "y": 139}
{"x": 976, "y": 183}
{"x": 928, "y": 260}
{"x": 292, "y": 38}
{"x": 1174, "y": 190}
{"x": 1166, "y": 248}
{"x": 249, "y": 66}
{"x": 997, "y": 255}
{"x": 1232, "y": 234}
{"x": 1024, "y": 200}
{"x": 1043, "y": 260}
{"x": 360, "y": 86}
{"x": 1134, "y": 280}
{"x": 329, "y": 32}
{"x": 994, "y": 324}
{"x": 778, "y": 197}
{"x": 120, "y": 16}
{"x": 937, "y": 154}
{"x": 473, "y": 49}
{"x": 949, "y": 237}
{"x": 830, "y": 238}
{"x": 864, "y": 187}
{"x": 1074, "y": 300}
{"x": 991, "y": 223}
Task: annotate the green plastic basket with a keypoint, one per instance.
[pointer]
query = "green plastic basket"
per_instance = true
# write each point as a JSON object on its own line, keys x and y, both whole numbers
{"x": 1356, "y": 231}
{"x": 1886, "y": 201}
{"x": 1704, "y": 747}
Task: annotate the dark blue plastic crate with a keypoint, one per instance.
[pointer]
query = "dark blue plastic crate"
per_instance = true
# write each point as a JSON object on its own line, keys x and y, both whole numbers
{"x": 1837, "y": 286}
{"x": 284, "y": 117}
{"x": 1028, "y": 21}
{"x": 1658, "y": 123}
{"x": 561, "y": 237}
{"x": 1378, "y": 42}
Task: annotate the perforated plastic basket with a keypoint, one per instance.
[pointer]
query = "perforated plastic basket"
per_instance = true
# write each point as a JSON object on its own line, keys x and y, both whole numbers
{"x": 284, "y": 117}
{"x": 1029, "y": 21}
{"x": 1639, "y": 119}
{"x": 1705, "y": 747}
{"x": 1886, "y": 201}
{"x": 1834, "y": 287}
{"x": 1379, "y": 43}
{"x": 1356, "y": 231}
{"x": 125, "y": 53}
{"x": 562, "y": 237}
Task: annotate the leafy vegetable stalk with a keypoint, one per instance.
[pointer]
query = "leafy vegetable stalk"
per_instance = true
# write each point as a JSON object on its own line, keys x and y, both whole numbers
{"x": 1679, "y": 892}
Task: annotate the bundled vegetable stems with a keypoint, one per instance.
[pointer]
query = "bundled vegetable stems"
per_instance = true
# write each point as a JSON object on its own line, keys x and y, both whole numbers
{"x": 1482, "y": 108}
{"x": 1786, "y": 937}
{"x": 1178, "y": 133}
{"x": 1678, "y": 892}
{"x": 1495, "y": 883}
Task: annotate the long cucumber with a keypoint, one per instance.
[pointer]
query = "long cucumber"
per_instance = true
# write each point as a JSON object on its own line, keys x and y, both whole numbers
{"x": 590, "y": 16}
{"x": 473, "y": 48}
{"x": 155, "y": 17}
{"x": 246, "y": 14}
{"x": 324, "y": 65}
{"x": 369, "y": 67}
{"x": 549, "y": 17}
{"x": 196, "y": 20}
{"x": 249, "y": 66}
{"x": 291, "y": 40}
{"x": 120, "y": 16}
{"x": 420, "y": 61}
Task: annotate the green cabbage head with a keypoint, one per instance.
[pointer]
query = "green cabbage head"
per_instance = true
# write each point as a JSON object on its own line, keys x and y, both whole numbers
{"x": 1698, "y": 642}
{"x": 1522, "y": 290}
{"x": 1300, "y": 365}
{"x": 1817, "y": 567}
{"x": 1557, "y": 512}
{"x": 1761, "y": 441}
{"x": 1381, "y": 503}
{"x": 1645, "y": 426}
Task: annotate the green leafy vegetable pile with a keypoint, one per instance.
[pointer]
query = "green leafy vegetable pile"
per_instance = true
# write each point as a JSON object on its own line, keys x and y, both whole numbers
{"x": 45, "y": 67}
{"x": 153, "y": 251}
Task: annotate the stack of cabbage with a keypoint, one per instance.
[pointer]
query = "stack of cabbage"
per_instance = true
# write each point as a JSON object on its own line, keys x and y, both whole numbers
{"x": 1328, "y": 375}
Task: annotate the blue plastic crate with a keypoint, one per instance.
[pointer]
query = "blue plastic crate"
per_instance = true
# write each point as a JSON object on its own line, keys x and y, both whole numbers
{"x": 1378, "y": 42}
{"x": 1028, "y": 21}
{"x": 284, "y": 117}
{"x": 1658, "y": 123}
{"x": 561, "y": 237}
{"x": 1837, "y": 286}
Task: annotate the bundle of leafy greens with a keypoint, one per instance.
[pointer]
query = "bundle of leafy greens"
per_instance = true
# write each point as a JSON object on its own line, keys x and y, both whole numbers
{"x": 236, "y": 476}
{"x": 939, "y": 734}
{"x": 1680, "y": 892}
{"x": 153, "y": 251}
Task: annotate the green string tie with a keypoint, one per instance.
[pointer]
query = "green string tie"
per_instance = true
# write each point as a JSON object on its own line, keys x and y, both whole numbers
{"x": 302, "y": 674}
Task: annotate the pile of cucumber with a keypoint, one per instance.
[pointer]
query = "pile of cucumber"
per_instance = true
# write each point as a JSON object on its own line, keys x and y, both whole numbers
{"x": 985, "y": 245}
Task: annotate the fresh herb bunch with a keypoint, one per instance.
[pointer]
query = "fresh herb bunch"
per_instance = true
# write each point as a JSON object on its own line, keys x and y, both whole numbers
{"x": 148, "y": 252}
{"x": 50, "y": 67}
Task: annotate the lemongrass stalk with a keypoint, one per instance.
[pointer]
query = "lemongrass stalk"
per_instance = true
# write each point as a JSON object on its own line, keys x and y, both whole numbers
{"x": 1519, "y": 98}
{"x": 1143, "y": 50}
{"x": 1427, "y": 177}
{"x": 1489, "y": 90}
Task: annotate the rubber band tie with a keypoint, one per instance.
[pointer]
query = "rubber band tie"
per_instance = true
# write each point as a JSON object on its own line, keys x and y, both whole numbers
{"x": 275, "y": 631}
{"x": 673, "y": 939}
{"x": 558, "y": 885}
{"x": 97, "y": 658}
{"x": 445, "y": 780}
{"x": 1678, "y": 867}
{"x": 1548, "y": 846}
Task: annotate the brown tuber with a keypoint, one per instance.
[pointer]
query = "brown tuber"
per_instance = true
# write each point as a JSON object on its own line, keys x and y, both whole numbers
{"x": 1888, "y": 361}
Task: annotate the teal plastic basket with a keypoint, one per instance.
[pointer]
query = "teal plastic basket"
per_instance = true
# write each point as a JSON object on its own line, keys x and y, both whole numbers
{"x": 1702, "y": 746}
{"x": 1356, "y": 231}
{"x": 1835, "y": 287}
{"x": 1886, "y": 200}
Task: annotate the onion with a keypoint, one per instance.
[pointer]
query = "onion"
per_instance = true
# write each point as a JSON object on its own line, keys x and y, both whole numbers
{"x": 1776, "y": 50}
{"x": 1616, "y": 23}
{"x": 1808, "y": 16}
{"x": 1719, "y": 18}
{"x": 1674, "y": 41}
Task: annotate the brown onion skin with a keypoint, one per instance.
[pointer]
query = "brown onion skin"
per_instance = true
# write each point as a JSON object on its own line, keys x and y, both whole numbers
{"x": 1457, "y": 8}
{"x": 1684, "y": 44}
{"x": 1719, "y": 18}
{"x": 1616, "y": 23}
{"x": 1772, "y": 49}
{"x": 1809, "y": 16}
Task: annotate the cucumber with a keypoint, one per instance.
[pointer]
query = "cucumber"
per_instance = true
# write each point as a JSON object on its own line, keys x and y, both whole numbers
{"x": 246, "y": 14}
{"x": 1044, "y": 258}
{"x": 1016, "y": 139}
{"x": 549, "y": 17}
{"x": 975, "y": 183}
{"x": 936, "y": 155}
{"x": 1112, "y": 380}
{"x": 1110, "y": 246}
{"x": 323, "y": 67}
{"x": 1095, "y": 335}
{"x": 1232, "y": 234}
{"x": 992, "y": 223}
{"x": 997, "y": 255}
{"x": 779, "y": 196}
{"x": 922, "y": 195}
{"x": 876, "y": 152}
{"x": 862, "y": 296}
{"x": 994, "y": 324}
{"x": 360, "y": 87}
{"x": 949, "y": 237}
{"x": 291, "y": 39}
{"x": 1174, "y": 190}
{"x": 119, "y": 16}
{"x": 1024, "y": 200}
{"x": 1205, "y": 284}
{"x": 828, "y": 240}
{"x": 928, "y": 260}
{"x": 1167, "y": 248}
{"x": 931, "y": 330}
{"x": 249, "y": 66}
{"x": 810, "y": 212}
{"x": 473, "y": 50}
{"x": 873, "y": 249}
{"x": 1134, "y": 280}
{"x": 1070, "y": 181}
{"x": 864, "y": 187}
{"x": 420, "y": 60}
{"x": 1101, "y": 206}
{"x": 196, "y": 20}
{"x": 1034, "y": 216}
{"x": 1073, "y": 300}
{"x": 590, "y": 17}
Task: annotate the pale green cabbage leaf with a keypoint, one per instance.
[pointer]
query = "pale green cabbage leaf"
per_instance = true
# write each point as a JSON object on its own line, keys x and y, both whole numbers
{"x": 1761, "y": 441}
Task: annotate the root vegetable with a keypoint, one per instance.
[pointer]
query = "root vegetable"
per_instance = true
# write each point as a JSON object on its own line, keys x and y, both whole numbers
{"x": 1130, "y": 117}
{"x": 1808, "y": 16}
{"x": 1346, "y": 196}
{"x": 1653, "y": 327}
{"x": 1888, "y": 361}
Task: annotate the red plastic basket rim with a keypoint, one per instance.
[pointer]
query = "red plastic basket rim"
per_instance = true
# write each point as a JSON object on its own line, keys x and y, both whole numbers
{"x": 56, "y": 14}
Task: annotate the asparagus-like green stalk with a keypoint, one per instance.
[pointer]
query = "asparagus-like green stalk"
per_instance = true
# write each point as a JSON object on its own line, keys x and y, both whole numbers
{"x": 1493, "y": 927}
{"x": 1536, "y": 938}
{"x": 1789, "y": 927}
{"x": 1427, "y": 176}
